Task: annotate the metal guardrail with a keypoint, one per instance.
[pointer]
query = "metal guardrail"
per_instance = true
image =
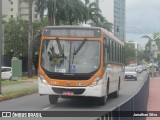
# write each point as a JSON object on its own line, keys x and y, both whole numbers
{"x": 137, "y": 103}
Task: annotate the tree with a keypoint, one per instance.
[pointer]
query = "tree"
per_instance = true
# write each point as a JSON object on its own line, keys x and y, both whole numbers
{"x": 130, "y": 53}
{"x": 16, "y": 35}
{"x": 51, "y": 7}
{"x": 41, "y": 7}
{"x": 93, "y": 13}
{"x": 104, "y": 23}
{"x": 86, "y": 2}
{"x": 70, "y": 12}
{"x": 156, "y": 37}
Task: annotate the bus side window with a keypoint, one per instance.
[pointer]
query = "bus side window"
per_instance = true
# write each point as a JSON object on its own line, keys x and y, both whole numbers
{"x": 105, "y": 50}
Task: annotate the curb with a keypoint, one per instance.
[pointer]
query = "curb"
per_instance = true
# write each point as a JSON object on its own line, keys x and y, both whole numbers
{"x": 16, "y": 95}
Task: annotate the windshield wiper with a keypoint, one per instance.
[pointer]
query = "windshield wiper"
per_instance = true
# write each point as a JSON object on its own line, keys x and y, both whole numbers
{"x": 80, "y": 46}
{"x": 78, "y": 49}
{"x": 61, "y": 51}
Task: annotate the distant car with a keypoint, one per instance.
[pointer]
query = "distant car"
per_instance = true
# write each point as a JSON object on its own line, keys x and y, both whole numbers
{"x": 130, "y": 73}
{"x": 145, "y": 68}
{"x": 6, "y": 73}
{"x": 139, "y": 69}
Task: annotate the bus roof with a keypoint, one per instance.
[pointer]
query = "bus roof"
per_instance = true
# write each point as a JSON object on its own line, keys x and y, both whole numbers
{"x": 109, "y": 34}
{"x": 69, "y": 26}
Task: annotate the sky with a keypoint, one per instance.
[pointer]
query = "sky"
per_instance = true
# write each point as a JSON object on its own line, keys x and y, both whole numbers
{"x": 142, "y": 18}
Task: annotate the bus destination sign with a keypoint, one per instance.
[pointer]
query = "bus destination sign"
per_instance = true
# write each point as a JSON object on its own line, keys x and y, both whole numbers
{"x": 72, "y": 32}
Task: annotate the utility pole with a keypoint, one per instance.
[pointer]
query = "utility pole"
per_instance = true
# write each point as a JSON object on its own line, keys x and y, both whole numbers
{"x": 97, "y": 3}
{"x": 54, "y": 12}
{"x": 30, "y": 41}
{"x": 0, "y": 42}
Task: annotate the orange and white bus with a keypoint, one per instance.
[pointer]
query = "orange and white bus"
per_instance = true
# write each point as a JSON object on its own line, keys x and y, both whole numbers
{"x": 80, "y": 62}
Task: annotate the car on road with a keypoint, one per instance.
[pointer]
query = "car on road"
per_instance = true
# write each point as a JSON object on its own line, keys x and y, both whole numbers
{"x": 6, "y": 73}
{"x": 139, "y": 69}
{"x": 145, "y": 68}
{"x": 131, "y": 73}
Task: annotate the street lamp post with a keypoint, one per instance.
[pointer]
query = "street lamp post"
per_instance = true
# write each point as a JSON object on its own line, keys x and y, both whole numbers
{"x": 97, "y": 3}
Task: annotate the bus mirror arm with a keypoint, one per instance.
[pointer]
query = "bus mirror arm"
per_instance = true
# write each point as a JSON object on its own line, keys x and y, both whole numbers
{"x": 37, "y": 43}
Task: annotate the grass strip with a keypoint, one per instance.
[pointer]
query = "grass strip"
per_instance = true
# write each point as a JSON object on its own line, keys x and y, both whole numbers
{"x": 7, "y": 82}
{"x": 20, "y": 90}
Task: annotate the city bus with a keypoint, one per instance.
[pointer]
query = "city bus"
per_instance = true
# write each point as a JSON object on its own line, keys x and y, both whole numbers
{"x": 78, "y": 61}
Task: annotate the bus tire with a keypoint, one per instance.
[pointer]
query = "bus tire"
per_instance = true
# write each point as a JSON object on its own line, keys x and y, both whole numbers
{"x": 53, "y": 99}
{"x": 116, "y": 94}
{"x": 103, "y": 100}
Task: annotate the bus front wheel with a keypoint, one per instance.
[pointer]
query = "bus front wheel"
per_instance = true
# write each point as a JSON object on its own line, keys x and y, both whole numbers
{"x": 53, "y": 99}
{"x": 103, "y": 100}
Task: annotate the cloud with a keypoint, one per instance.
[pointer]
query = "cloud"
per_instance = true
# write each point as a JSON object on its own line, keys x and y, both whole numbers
{"x": 144, "y": 14}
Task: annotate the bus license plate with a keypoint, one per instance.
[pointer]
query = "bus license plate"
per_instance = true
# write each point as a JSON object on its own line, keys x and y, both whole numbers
{"x": 68, "y": 93}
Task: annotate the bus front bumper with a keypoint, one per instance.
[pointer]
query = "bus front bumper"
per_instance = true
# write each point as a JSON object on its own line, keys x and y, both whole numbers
{"x": 88, "y": 91}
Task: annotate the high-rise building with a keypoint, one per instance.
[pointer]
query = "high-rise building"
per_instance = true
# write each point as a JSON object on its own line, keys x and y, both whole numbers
{"x": 119, "y": 19}
{"x": 17, "y": 9}
{"x": 115, "y": 11}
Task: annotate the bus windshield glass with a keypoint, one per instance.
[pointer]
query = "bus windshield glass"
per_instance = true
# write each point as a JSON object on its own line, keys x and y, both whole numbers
{"x": 70, "y": 56}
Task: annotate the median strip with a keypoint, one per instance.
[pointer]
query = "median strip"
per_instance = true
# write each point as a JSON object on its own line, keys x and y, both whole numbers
{"x": 14, "y": 89}
{"x": 18, "y": 93}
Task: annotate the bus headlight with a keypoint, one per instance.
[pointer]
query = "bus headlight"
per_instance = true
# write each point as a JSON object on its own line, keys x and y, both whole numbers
{"x": 43, "y": 80}
{"x": 96, "y": 80}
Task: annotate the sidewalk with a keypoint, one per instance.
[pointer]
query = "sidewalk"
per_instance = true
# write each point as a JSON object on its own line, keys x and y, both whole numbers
{"x": 154, "y": 96}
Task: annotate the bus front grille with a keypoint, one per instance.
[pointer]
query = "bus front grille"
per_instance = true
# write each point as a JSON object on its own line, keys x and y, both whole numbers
{"x": 69, "y": 77}
{"x": 61, "y": 90}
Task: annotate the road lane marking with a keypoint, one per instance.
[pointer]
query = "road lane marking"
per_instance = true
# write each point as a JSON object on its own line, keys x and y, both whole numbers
{"x": 48, "y": 107}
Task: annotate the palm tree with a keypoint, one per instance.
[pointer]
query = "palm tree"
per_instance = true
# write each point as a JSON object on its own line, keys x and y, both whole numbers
{"x": 155, "y": 37}
{"x": 86, "y": 2}
{"x": 75, "y": 12}
{"x": 51, "y": 7}
{"x": 70, "y": 11}
{"x": 41, "y": 7}
{"x": 104, "y": 24}
{"x": 93, "y": 13}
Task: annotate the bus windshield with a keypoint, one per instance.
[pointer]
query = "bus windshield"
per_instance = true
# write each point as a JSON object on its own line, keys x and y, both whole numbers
{"x": 70, "y": 56}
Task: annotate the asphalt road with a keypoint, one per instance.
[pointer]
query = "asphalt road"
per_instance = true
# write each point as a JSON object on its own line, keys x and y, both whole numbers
{"x": 35, "y": 102}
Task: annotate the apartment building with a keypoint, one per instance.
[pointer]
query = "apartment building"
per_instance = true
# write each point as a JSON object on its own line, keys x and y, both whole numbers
{"x": 18, "y": 9}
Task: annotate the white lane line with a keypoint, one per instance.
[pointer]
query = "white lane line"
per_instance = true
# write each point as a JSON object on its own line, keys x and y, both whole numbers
{"x": 48, "y": 107}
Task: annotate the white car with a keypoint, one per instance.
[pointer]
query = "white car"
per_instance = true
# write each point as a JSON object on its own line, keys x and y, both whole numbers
{"x": 130, "y": 73}
{"x": 139, "y": 69}
{"x": 6, "y": 73}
